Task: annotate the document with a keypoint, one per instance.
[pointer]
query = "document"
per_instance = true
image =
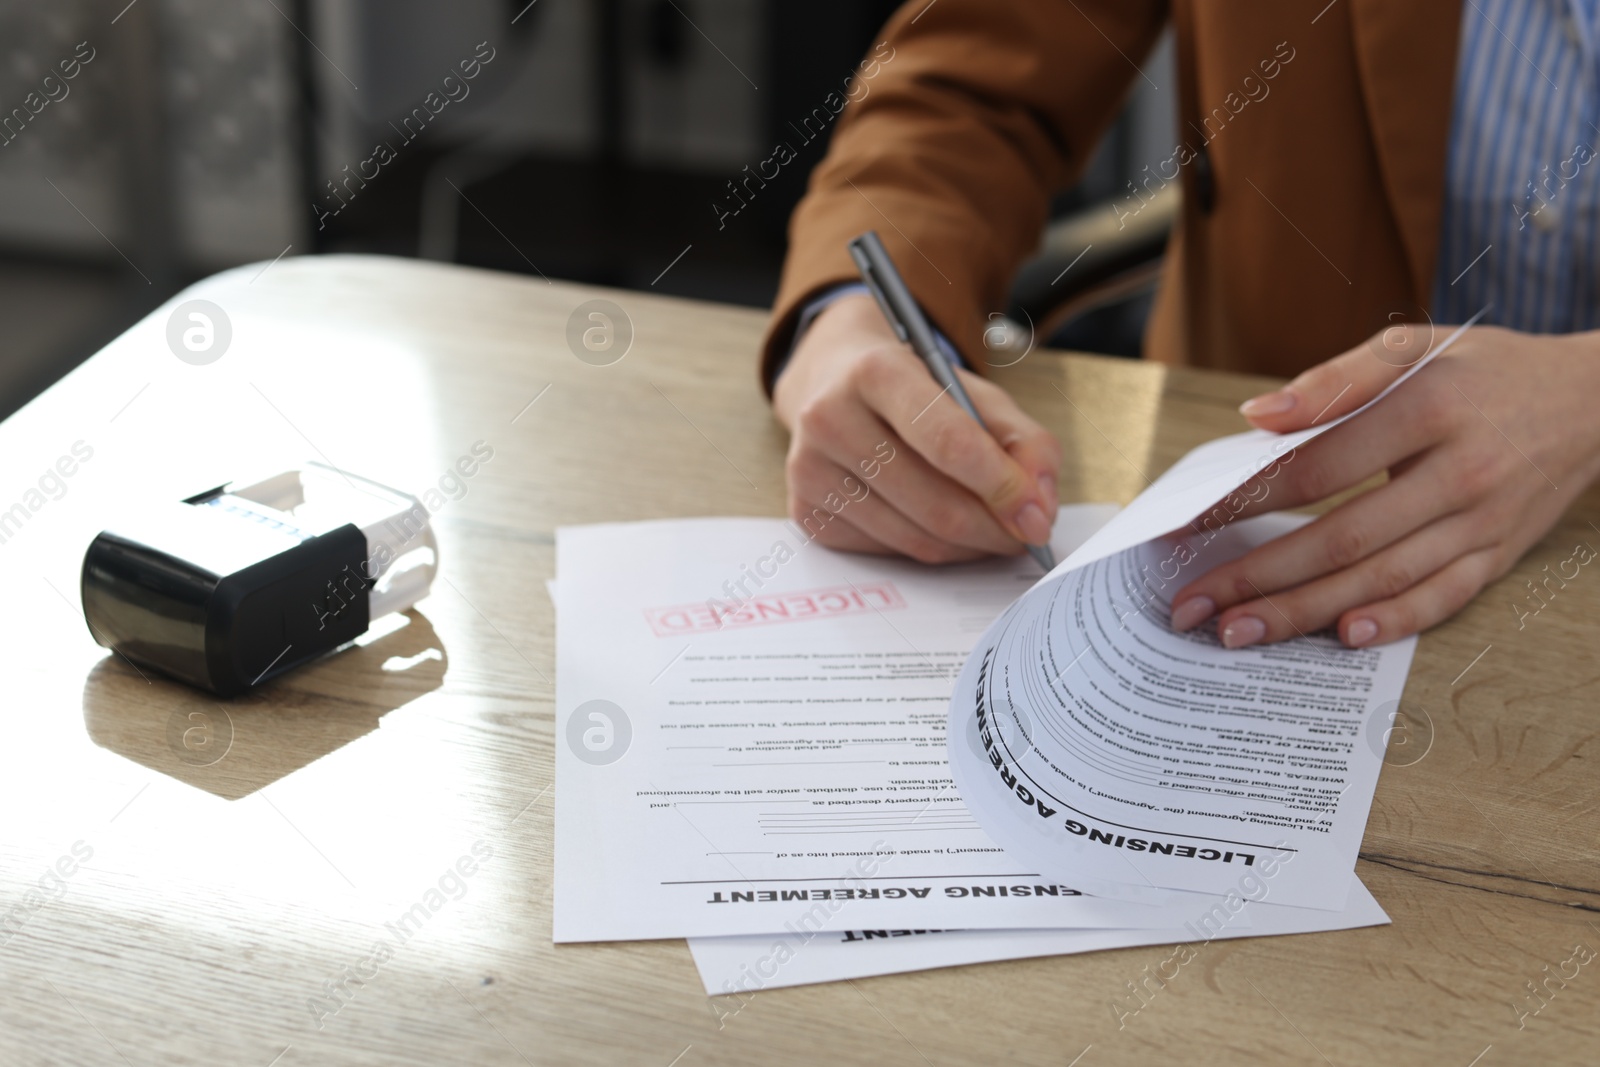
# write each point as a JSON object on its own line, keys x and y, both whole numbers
{"x": 1107, "y": 748}
{"x": 745, "y": 965}
{"x": 750, "y": 737}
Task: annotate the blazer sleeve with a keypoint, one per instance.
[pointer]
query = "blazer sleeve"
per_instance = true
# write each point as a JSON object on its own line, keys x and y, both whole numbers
{"x": 961, "y": 124}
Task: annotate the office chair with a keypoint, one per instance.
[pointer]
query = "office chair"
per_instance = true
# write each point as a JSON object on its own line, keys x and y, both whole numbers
{"x": 1099, "y": 257}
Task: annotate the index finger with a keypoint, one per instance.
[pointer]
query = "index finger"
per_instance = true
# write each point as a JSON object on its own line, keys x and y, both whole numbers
{"x": 1337, "y": 386}
{"x": 929, "y": 420}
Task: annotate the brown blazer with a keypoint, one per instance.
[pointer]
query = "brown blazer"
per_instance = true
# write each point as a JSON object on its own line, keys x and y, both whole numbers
{"x": 1320, "y": 128}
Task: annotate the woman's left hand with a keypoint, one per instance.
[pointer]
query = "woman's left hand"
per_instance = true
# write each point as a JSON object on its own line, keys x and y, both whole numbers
{"x": 1485, "y": 448}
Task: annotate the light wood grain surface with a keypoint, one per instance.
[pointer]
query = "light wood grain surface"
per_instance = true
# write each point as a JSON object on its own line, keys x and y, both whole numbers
{"x": 211, "y": 893}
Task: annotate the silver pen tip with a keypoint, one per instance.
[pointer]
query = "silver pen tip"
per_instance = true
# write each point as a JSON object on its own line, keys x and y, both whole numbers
{"x": 1043, "y": 556}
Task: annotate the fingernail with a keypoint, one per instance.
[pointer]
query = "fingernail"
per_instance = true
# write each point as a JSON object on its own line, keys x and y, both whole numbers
{"x": 1245, "y": 630}
{"x": 1193, "y": 612}
{"x": 1034, "y": 526}
{"x": 1047, "y": 489}
{"x": 1268, "y": 404}
{"x": 1361, "y": 632}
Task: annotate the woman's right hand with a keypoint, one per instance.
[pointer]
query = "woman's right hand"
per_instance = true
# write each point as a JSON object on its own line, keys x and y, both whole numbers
{"x": 881, "y": 461}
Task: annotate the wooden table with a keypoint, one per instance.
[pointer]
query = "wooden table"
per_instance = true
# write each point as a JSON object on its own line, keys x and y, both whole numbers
{"x": 212, "y": 891}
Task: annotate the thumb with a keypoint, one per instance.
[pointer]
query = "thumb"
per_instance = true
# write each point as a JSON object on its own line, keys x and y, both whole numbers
{"x": 1341, "y": 384}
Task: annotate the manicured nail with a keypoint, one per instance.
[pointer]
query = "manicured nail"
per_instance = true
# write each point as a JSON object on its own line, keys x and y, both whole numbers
{"x": 1193, "y": 612}
{"x": 1034, "y": 526}
{"x": 1047, "y": 489}
{"x": 1268, "y": 404}
{"x": 1245, "y": 630}
{"x": 1361, "y": 632}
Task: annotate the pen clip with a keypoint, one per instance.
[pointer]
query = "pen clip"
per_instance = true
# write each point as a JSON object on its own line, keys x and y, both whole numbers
{"x": 869, "y": 278}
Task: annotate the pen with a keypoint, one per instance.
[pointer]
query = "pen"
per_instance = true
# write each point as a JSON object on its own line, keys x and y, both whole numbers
{"x": 911, "y": 326}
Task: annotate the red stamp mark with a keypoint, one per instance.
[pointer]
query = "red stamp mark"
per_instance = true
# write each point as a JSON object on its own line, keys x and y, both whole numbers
{"x": 712, "y": 615}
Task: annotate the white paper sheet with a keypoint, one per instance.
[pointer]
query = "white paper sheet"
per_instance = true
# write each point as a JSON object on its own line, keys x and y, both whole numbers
{"x": 774, "y": 759}
{"x": 1209, "y": 473}
{"x": 746, "y": 965}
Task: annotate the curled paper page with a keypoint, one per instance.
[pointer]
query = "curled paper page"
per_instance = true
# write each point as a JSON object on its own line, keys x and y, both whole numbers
{"x": 1091, "y": 740}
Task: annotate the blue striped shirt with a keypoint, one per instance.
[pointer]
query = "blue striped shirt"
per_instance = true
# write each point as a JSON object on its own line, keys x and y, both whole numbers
{"x": 1521, "y": 223}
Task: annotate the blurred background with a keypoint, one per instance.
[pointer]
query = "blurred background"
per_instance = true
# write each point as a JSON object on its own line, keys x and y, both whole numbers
{"x": 146, "y": 145}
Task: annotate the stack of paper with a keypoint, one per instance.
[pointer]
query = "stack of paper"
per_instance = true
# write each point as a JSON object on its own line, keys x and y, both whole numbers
{"x": 752, "y": 753}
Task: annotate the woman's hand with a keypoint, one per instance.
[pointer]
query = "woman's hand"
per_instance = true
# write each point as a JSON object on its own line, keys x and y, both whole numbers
{"x": 1485, "y": 448}
{"x": 880, "y": 461}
